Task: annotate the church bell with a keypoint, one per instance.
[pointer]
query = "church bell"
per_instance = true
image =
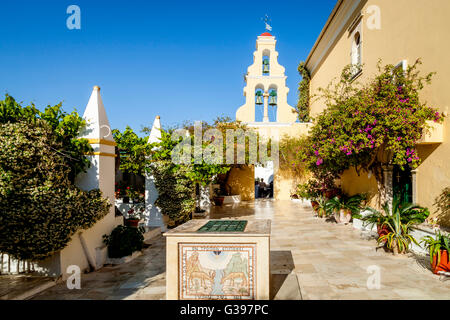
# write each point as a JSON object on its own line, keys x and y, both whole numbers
{"x": 273, "y": 99}
{"x": 259, "y": 98}
{"x": 265, "y": 66}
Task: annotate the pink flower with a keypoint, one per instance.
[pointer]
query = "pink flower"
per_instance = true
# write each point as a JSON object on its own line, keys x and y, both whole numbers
{"x": 319, "y": 162}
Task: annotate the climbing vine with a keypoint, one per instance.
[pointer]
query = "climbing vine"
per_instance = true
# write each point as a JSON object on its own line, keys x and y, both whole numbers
{"x": 40, "y": 156}
{"x": 303, "y": 93}
{"x": 133, "y": 150}
{"x": 65, "y": 127}
{"x": 40, "y": 208}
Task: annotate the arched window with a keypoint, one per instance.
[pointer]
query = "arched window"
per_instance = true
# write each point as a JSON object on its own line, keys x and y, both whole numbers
{"x": 259, "y": 103}
{"x": 356, "y": 54}
{"x": 266, "y": 63}
{"x": 273, "y": 103}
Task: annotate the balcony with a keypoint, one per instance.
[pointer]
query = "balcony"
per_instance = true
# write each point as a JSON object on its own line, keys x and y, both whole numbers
{"x": 434, "y": 135}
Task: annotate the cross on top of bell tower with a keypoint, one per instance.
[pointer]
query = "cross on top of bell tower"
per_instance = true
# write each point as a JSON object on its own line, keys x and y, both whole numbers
{"x": 268, "y": 27}
{"x": 266, "y": 20}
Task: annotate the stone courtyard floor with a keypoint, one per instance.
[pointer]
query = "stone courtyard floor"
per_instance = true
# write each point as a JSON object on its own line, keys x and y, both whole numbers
{"x": 310, "y": 259}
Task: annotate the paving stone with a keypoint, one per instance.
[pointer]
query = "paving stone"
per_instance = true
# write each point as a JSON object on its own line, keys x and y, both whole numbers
{"x": 328, "y": 261}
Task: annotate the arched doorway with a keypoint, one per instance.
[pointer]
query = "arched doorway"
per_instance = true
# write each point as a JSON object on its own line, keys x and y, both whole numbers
{"x": 402, "y": 183}
{"x": 264, "y": 180}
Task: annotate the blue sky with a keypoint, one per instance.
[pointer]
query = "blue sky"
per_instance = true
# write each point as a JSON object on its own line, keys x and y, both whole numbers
{"x": 182, "y": 60}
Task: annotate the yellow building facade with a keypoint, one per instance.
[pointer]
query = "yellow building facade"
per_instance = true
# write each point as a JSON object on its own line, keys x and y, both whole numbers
{"x": 360, "y": 32}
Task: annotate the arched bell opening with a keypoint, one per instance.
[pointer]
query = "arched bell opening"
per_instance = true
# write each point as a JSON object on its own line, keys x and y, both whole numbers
{"x": 273, "y": 103}
{"x": 259, "y": 103}
{"x": 266, "y": 63}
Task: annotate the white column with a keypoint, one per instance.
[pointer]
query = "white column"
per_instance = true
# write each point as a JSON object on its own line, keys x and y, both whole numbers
{"x": 153, "y": 215}
{"x": 266, "y": 107}
{"x": 101, "y": 175}
{"x": 388, "y": 184}
{"x": 414, "y": 185}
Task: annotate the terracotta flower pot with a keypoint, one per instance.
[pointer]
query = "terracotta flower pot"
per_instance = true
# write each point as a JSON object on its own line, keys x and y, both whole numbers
{"x": 382, "y": 230}
{"x": 444, "y": 264}
{"x": 345, "y": 216}
{"x": 218, "y": 201}
{"x": 337, "y": 216}
{"x": 132, "y": 222}
{"x": 342, "y": 216}
{"x": 331, "y": 193}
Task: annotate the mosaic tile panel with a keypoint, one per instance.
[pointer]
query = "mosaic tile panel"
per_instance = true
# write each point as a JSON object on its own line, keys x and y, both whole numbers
{"x": 217, "y": 271}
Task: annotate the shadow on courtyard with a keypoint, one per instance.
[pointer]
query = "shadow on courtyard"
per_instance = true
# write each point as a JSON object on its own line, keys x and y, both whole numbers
{"x": 284, "y": 283}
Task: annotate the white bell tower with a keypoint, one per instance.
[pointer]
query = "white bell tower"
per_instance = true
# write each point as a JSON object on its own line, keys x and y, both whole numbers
{"x": 265, "y": 78}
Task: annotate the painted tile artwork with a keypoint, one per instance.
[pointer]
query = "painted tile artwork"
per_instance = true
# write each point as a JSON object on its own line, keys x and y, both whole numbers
{"x": 217, "y": 271}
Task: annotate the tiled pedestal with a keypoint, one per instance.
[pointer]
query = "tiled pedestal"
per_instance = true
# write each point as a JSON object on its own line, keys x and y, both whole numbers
{"x": 218, "y": 265}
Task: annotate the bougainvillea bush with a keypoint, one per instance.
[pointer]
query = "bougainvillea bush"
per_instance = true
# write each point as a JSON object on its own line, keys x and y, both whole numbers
{"x": 366, "y": 126}
{"x": 40, "y": 208}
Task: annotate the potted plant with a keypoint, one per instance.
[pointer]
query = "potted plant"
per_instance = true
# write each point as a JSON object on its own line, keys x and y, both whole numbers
{"x": 133, "y": 195}
{"x": 398, "y": 238}
{"x": 415, "y": 213}
{"x": 321, "y": 207}
{"x": 123, "y": 241}
{"x": 309, "y": 190}
{"x": 439, "y": 249}
{"x": 333, "y": 206}
{"x": 378, "y": 218}
{"x": 118, "y": 193}
{"x": 407, "y": 211}
{"x": 126, "y": 197}
{"x": 134, "y": 215}
{"x": 342, "y": 208}
{"x": 331, "y": 192}
{"x": 351, "y": 206}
